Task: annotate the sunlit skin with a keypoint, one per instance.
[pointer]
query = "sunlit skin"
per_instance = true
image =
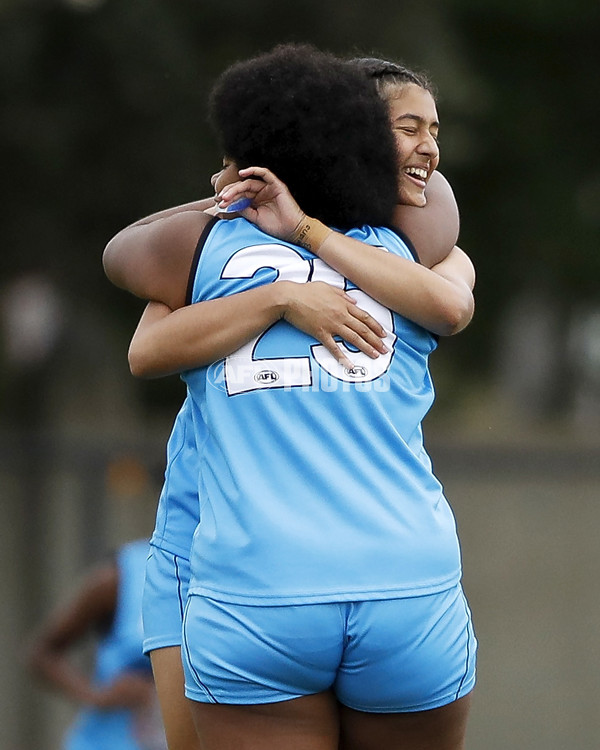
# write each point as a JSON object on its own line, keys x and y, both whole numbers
{"x": 416, "y": 127}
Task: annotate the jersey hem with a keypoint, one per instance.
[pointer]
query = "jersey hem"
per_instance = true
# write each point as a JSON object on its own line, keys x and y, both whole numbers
{"x": 424, "y": 589}
{"x": 167, "y": 546}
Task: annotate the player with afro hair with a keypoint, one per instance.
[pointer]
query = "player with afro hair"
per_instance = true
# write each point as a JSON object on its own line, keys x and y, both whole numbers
{"x": 317, "y": 122}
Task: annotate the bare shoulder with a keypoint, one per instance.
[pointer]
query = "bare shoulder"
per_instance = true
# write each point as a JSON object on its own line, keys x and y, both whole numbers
{"x": 433, "y": 229}
{"x": 153, "y": 260}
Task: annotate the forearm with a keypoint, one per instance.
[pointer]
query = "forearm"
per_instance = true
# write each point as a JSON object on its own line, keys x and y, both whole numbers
{"x": 440, "y": 304}
{"x": 457, "y": 267}
{"x": 62, "y": 676}
{"x": 200, "y": 205}
{"x": 50, "y": 647}
{"x": 443, "y": 301}
{"x": 167, "y": 342}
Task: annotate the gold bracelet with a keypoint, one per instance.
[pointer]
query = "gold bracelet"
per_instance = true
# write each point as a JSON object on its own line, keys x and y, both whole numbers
{"x": 310, "y": 233}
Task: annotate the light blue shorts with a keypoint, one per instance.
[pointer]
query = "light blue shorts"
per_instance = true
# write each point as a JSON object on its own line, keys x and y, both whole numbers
{"x": 165, "y": 594}
{"x": 383, "y": 656}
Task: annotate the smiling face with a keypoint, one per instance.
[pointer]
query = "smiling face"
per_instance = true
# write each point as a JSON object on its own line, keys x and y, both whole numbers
{"x": 415, "y": 125}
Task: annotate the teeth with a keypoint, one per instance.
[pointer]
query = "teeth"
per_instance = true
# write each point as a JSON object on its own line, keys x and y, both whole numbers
{"x": 417, "y": 172}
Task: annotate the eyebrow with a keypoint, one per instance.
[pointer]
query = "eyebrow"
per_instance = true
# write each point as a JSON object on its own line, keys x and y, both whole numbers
{"x": 417, "y": 118}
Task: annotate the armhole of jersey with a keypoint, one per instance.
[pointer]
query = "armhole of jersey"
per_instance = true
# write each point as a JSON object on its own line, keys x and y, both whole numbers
{"x": 407, "y": 241}
{"x": 196, "y": 259}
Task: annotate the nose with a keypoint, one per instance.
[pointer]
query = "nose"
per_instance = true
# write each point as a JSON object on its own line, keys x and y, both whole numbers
{"x": 213, "y": 180}
{"x": 429, "y": 147}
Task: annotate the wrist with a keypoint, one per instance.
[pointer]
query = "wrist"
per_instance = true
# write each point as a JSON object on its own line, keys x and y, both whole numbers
{"x": 281, "y": 297}
{"x": 310, "y": 233}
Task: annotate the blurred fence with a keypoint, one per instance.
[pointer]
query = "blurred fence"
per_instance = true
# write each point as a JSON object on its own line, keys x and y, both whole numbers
{"x": 528, "y": 517}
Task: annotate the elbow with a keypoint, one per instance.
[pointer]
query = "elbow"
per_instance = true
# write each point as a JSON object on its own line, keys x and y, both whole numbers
{"x": 122, "y": 266}
{"x": 457, "y": 317}
{"x": 140, "y": 365}
{"x": 111, "y": 261}
{"x": 145, "y": 361}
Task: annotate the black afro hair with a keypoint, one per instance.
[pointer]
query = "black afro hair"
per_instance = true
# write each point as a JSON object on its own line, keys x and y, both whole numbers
{"x": 317, "y": 122}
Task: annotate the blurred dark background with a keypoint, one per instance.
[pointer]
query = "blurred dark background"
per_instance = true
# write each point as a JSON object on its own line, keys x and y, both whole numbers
{"x": 104, "y": 121}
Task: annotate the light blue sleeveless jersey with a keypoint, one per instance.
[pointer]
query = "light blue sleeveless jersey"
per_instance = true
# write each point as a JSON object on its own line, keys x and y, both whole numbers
{"x": 119, "y": 651}
{"x": 314, "y": 481}
{"x": 178, "y": 510}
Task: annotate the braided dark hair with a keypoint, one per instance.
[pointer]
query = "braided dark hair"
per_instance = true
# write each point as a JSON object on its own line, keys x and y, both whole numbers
{"x": 387, "y": 75}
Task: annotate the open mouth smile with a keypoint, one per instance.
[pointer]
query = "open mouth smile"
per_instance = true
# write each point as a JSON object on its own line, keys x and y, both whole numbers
{"x": 417, "y": 174}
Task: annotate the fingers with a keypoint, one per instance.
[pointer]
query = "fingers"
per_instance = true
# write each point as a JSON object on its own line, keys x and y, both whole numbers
{"x": 236, "y": 206}
{"x": 359, "y": 331}
{"x": 364, "y": 340}
{"x": 326, "y": 311}
{"x": 367, "y": 322}
{"x": 247, "y": 186}
{"x": 238, "y": 190}
{"x": 336, "y": 351}
{"x": 261, "y": 172}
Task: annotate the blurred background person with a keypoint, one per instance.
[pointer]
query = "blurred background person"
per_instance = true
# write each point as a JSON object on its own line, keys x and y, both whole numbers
{"x": 119, "y": 710}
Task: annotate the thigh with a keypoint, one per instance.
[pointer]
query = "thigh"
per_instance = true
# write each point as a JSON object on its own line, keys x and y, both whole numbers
{"x": 307, "y": 723}
{"x": 408, "y": 655}
{"x": 441, "y": 728}
{"x": 175, "y": 707}
{"x": 239, "y": 654}
{"x": 165, "y": 593}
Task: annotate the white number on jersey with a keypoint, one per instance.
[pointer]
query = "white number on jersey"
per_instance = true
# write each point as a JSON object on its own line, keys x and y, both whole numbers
{"x": 244, "y": 372}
